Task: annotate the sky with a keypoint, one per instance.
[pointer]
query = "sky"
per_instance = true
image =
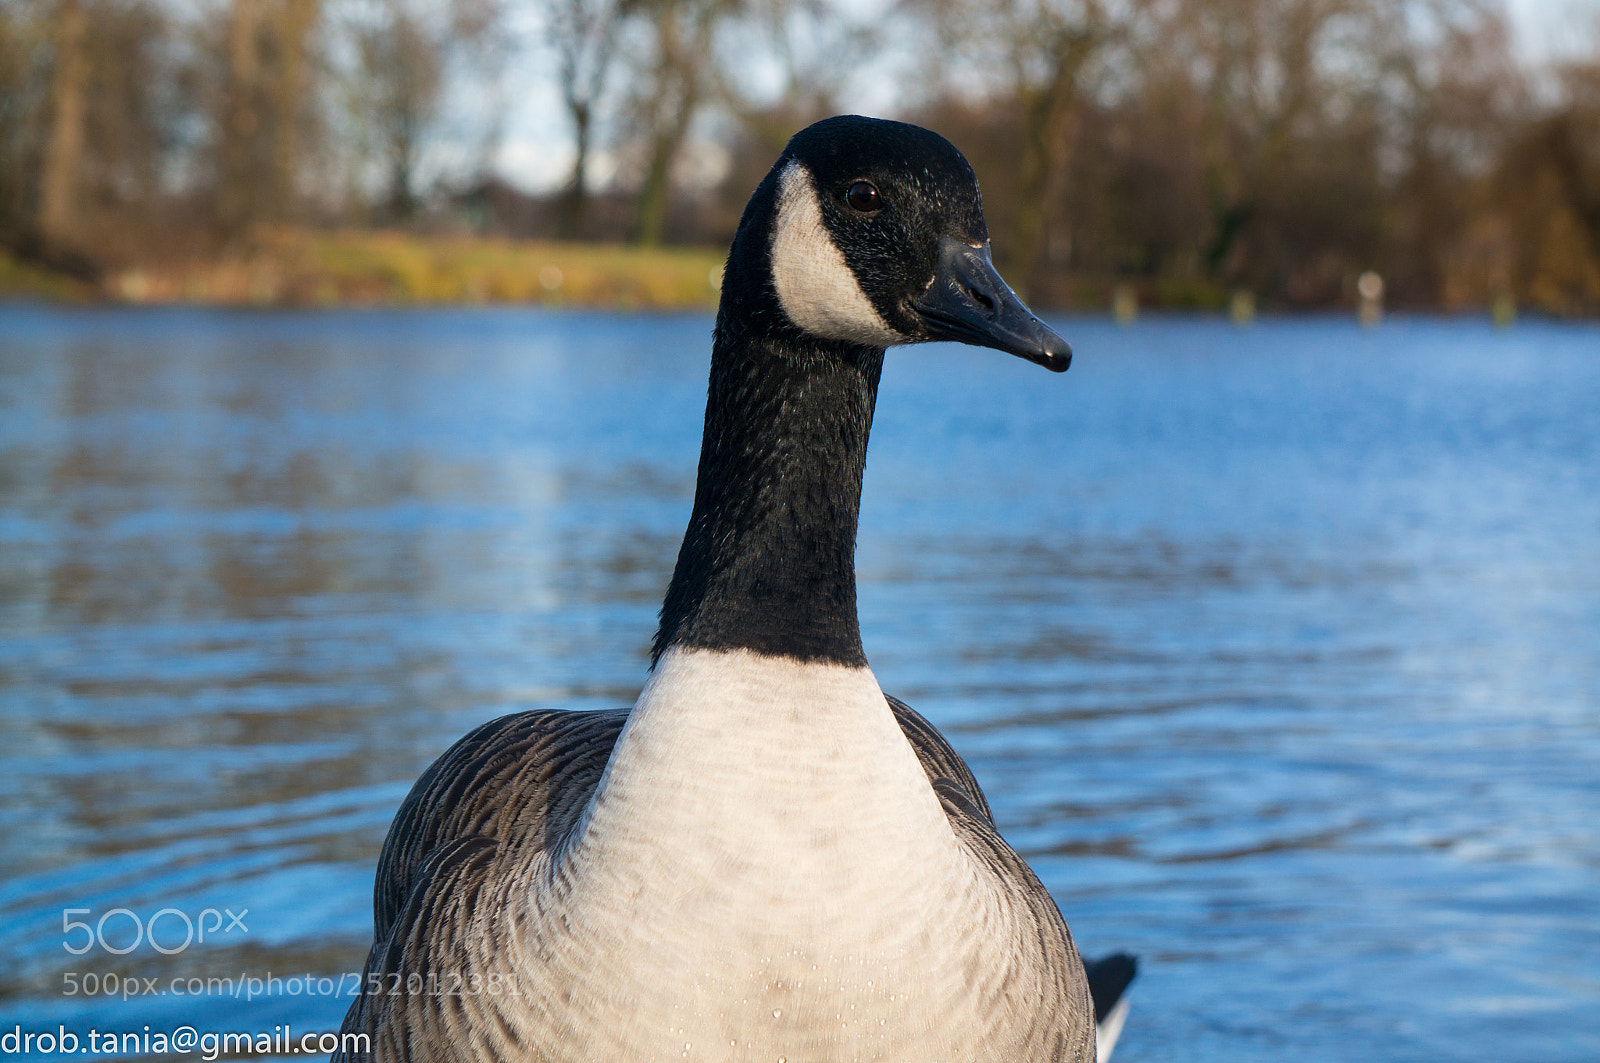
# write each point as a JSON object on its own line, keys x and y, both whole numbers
{"x": 1549, "y": 28}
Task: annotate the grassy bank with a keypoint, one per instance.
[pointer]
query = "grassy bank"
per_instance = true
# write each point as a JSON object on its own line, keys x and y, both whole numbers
{"x": 308, "y": 268}
{"x": 23, "y": 280}
{"x": 295, "y": 267}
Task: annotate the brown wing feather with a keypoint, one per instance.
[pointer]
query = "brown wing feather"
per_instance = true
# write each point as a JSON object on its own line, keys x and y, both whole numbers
{"x": 970, "y": 816}
{"x": 939, "y": 760}
{"x": 530, "y": 773}
{"x": 514, "y": 784}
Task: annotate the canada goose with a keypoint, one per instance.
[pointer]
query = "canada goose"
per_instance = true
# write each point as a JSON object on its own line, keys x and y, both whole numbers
{"x": 766, "y": 858}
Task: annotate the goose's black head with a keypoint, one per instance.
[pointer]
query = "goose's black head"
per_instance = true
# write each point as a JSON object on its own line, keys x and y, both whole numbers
{"x": 871, "y": 232}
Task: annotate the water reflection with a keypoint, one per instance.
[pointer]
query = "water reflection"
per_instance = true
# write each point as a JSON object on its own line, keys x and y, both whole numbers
{"x": 1281, "y": 677}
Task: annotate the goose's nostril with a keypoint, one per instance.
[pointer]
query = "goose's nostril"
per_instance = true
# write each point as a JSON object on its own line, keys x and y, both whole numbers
{"x": 981, "y": 298}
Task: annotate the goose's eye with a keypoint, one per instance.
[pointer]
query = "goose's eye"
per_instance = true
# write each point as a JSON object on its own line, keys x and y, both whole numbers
{"x": 863, "y": 196}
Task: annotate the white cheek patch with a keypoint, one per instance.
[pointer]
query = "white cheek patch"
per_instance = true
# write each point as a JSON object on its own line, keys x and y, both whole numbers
{"x": 816, "y": 286}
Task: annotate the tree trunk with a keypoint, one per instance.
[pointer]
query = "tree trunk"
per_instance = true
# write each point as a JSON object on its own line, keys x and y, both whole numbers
{"x": 653, "y": 196}
{"x": 294, "y": 25}
{"x": 402, "y": 159}
{"x": 1561, "y": 143}
{"x": 677, "y": 94}
{"x": 237, "y": 200}
{"x": 582, "y": 32}
{"x": 575, "y": 198}
{"x": 63, "y": 157}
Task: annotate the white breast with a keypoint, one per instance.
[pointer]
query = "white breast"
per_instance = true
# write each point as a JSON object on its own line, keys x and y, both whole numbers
{"x": 765, "y": 872}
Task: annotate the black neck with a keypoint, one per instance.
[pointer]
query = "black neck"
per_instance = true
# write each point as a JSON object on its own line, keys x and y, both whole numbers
{"x": 768, "y": 561}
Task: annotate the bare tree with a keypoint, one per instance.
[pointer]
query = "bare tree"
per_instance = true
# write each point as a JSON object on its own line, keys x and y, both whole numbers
{"x": 1459, "y": 95}
{"x": 242, "y": 162}
{"x": 401, "y": 63}
{"x": 292, "y": 29}
{"x": 405, "y": 48}
{"x": 677, "y": 81}
{"x": 478, "y": 44}
{"x": 1572, "y": 139}
{"x": 265, "y": 47}
{"x": 17, "y": 85}
{"x": 584, "y": 36}
{"x": 816, "y": 49}
{"x": 1293, "y": 107}
{"x": 64, "y": 148}
{"x": 1049, "y": 84}
{"x": 1044, "y": 58}
{"x": 1188, "y": 145}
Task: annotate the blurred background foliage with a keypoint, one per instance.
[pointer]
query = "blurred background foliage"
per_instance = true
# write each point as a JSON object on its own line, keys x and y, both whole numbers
{"x": 237, "y": 150}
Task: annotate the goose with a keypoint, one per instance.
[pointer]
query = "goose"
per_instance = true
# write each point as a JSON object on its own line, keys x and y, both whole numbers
{"x": 766, "y": 858}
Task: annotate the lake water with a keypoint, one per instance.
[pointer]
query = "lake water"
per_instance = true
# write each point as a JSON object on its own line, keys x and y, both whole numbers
{"x": 1276, "y": 650}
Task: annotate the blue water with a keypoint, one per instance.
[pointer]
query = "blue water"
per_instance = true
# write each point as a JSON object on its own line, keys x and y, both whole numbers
{"x": 1277, "y": 650}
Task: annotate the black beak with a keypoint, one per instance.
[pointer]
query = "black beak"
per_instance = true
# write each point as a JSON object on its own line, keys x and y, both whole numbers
{"x": 968, "y": 302}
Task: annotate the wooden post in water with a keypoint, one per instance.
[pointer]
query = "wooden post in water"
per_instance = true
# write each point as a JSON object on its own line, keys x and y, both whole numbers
{"x": 1369, "y": 289}
{"x": 1125, "y": 304}
{"x": 1503, "y": 310}
{"x": 1242, "y": 307}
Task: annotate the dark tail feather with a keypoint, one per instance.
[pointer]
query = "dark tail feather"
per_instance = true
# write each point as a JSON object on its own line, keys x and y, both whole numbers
{"x": 1108, "y": 982}
{"x": 1108, "y": 979}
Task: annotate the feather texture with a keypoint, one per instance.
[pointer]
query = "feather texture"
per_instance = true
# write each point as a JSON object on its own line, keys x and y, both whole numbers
{"x": 477, "y": 851}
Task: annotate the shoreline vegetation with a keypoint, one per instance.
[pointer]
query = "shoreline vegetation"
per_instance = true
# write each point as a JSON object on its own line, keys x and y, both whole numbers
{"x": 302, "y": 268}
{"x": 1202, "y": 155}
{"x": 298, "y": 268}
